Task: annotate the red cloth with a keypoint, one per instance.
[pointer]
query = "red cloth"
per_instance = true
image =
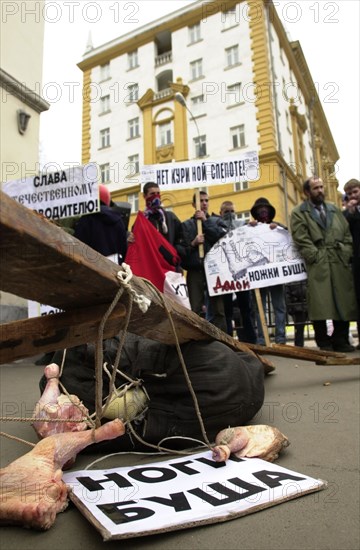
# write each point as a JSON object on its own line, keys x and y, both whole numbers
{"x": 151, "y": 256}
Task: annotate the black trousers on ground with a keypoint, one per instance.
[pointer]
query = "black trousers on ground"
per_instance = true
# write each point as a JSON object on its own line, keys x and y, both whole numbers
{"x": 340, "y": 335}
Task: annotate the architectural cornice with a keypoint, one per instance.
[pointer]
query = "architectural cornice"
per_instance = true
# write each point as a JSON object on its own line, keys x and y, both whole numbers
{"x": 22, "y": 92}
{"x": 184, "y": 17}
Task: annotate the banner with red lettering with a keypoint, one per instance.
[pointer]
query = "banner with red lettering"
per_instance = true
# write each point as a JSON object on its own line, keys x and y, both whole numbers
{"x": 152, "y": 257}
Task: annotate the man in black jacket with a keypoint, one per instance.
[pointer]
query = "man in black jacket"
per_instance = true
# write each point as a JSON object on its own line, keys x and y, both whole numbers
{"x": 104, "y": 231}
{"x": 188, "y": 249}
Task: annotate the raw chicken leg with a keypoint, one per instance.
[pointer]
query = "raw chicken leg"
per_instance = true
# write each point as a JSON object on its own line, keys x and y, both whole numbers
{"x": 31, "y": 488}
{"x": 53, "y": 404}
{"x": 260, "y": 441}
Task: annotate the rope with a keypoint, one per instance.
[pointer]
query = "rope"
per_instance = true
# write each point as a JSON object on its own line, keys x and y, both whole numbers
{"x": 27, "y": 419}
{"x": 143, "y": 303}
{"x": 13, "y": 437}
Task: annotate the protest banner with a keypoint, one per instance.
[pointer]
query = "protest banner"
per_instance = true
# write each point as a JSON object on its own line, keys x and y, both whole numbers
{"x": 61, "y": 194}
{"x": 180, "y": 493}
{"x": 192, "y": 174}
{"x": 251, "y": 257}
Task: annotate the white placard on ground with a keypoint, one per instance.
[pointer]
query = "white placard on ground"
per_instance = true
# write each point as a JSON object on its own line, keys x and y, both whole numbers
{"x": 181, "y": 493}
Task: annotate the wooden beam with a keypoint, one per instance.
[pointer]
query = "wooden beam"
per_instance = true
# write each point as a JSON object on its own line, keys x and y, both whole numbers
{"x": 319, "y": 357}
{"x": 41, "y": 262}
{"x": 53, "y": 332}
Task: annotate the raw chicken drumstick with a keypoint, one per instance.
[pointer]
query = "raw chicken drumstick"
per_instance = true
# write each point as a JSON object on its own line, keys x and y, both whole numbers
{"x": 31, "y": 488}
{"x": 260, "y": 441}
{"x": 53, "y": 404}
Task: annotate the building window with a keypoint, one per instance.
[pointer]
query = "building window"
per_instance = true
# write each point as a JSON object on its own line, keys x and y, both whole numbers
{"x": 164, "y": 134}
{"x": 230, "y": 18}
{"x": 105, "y": 104}
{"x": 241, "y": 185}
{"x": 133, "y": 164}
{"x": 105, "y": 138}
{"x": 282, "y": 55}
{"x": 105, "y": 173}
{"x": 291, "y": 156}
{"x": 105, "y": 71}
{"x": 194, "y": 33}
{"x": 288, "y": 122}
{"x": 133, "y": 94}
{"x": 196, "y": 69}
{"x": 133, "y": 199}
{"x": 232, "y": 56}
{"x": 238, "y": 136}
{"x": 233, "y": 94}
{"x": 134, "y": 129}
{"x": 197, "y": 104}
{"x": 200, "y": 146}
{"x": 243, "y": 216}
{"x": 133, "y": 60}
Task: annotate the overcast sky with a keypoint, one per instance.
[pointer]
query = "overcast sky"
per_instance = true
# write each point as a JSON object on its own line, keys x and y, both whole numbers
{"x": 328, "y": 33}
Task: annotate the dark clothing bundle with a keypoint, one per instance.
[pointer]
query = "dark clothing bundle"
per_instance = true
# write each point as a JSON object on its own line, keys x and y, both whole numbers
{"x": 104, "y": 231}
{"x": 229, "y": 387}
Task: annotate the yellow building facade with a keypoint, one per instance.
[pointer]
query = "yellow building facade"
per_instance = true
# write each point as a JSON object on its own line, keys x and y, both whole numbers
{"x": 282, "y": 117}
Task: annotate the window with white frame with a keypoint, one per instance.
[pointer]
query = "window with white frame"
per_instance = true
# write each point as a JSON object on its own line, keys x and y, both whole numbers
{"x": 291, "y": 158}
{"x": 194, "y": 33}
{"x": 241, "y": 185}
{"x": 288, "y": 121}
{"x": 232, "y": 56}
{"x": 200, "y": 146}
{"x": 233, "y": 94}
{"x": 105, "y": 138}
{"x": 197, "y": 104}
{"x": 105, "y": 104}
{"x": 133, "y": 93}
{"x": 133, "y": 199}
{"x": 282, "y": 55}
{"x": 243, "y": 216}
{"x": 133, "y": 60}
{"x": 133, "y": 165}
{"x": 134, "y": 128}
{"x": 105, "y": 173}
{"x": 230, "y": 17}
{"x": 164, "y": 134}
{"x": 238, "y": 136}
{"x": 105, "y": 71}
{"x": 196, "y": 69}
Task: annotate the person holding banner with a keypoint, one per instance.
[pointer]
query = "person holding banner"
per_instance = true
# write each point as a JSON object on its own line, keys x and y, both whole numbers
{"x": 264, "y": 212}
{"x": 243, "y": 298}
{"x": 323, "y": 237}
{"x": 191, "y": 260}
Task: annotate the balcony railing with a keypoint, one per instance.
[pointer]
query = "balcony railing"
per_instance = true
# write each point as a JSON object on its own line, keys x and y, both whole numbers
{"x": 163, "y": 58}
{"x": 162, "y": 93}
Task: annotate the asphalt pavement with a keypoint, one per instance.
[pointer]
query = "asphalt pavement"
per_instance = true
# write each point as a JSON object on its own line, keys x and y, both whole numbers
{"x": 315, "y": 406}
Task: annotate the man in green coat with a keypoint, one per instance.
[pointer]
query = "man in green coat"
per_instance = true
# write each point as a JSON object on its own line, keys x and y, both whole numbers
{"x": 324, "y": 240}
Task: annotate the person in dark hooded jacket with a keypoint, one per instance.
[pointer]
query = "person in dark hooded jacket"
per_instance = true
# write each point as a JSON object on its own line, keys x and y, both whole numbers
{"x": 103, "y": 231}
